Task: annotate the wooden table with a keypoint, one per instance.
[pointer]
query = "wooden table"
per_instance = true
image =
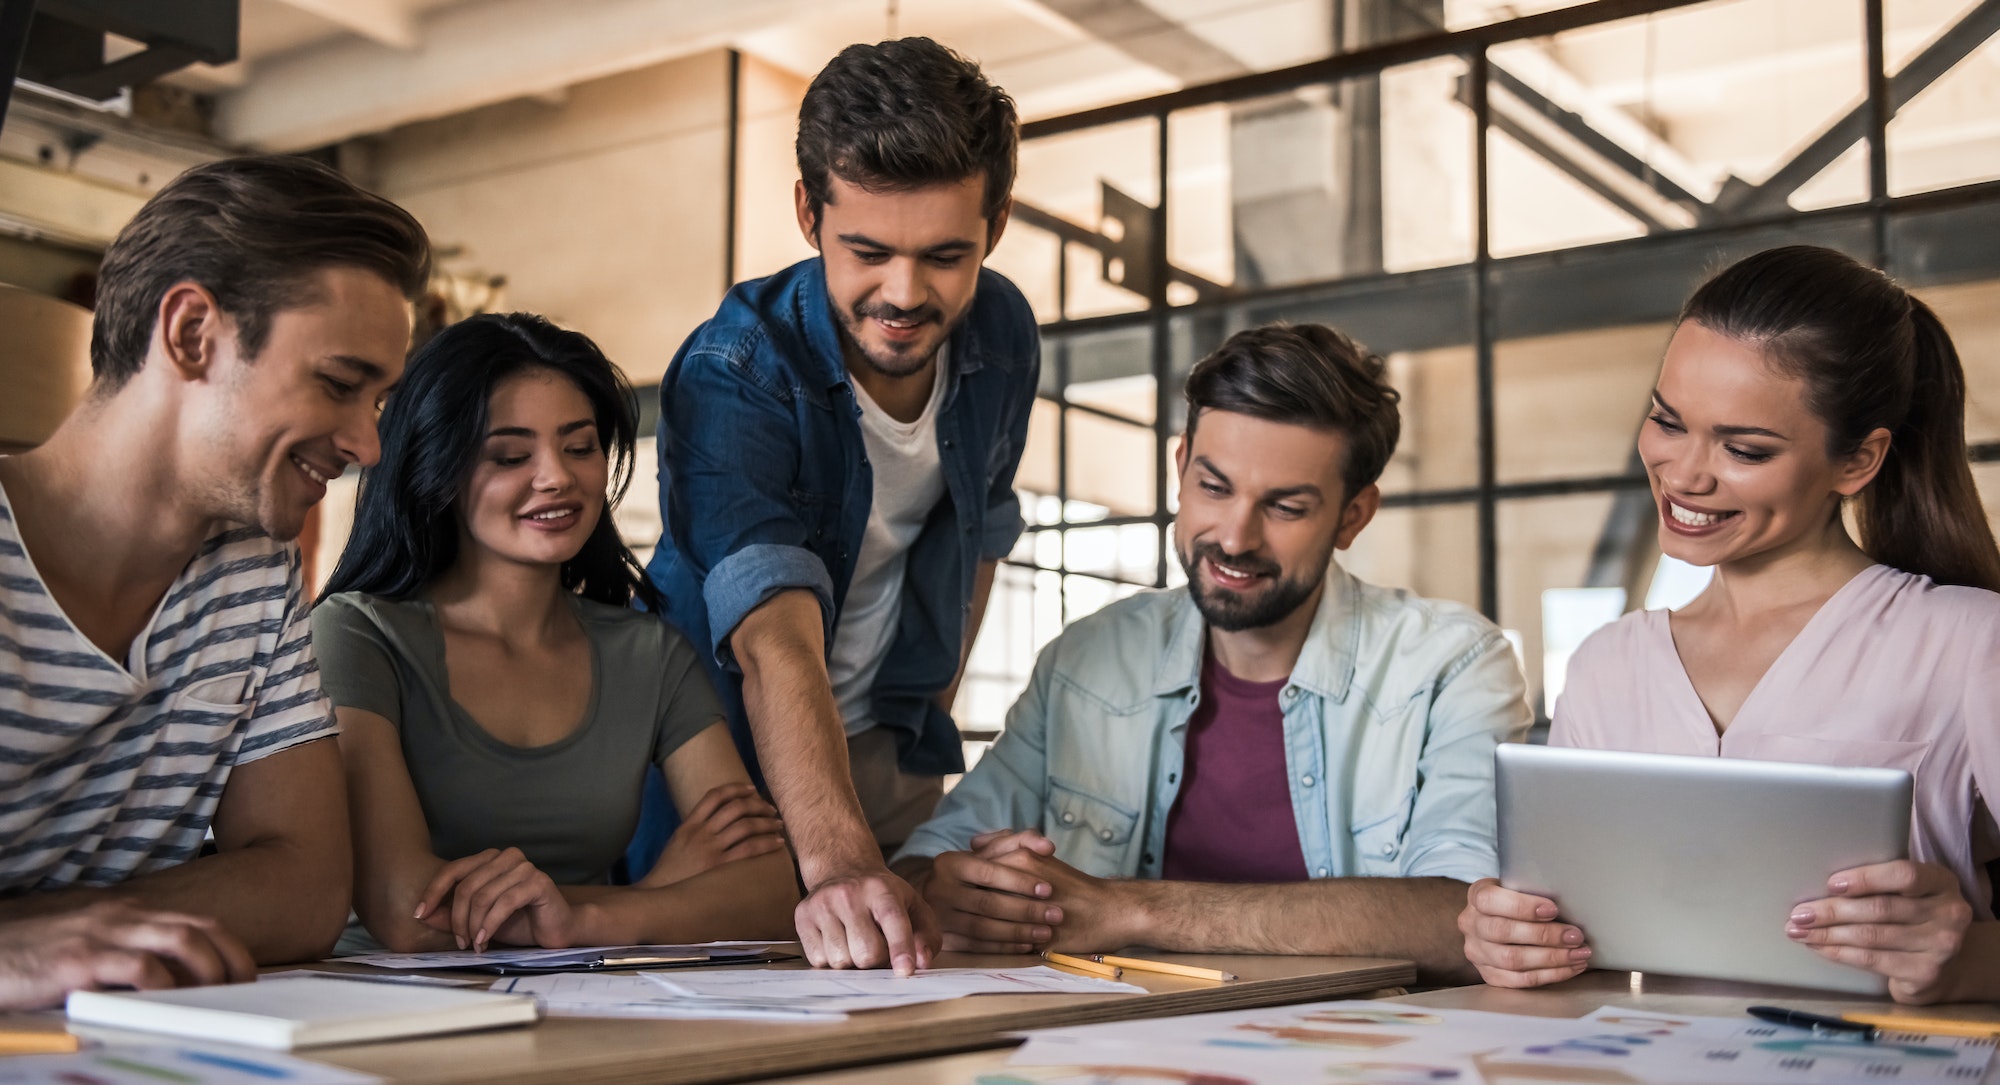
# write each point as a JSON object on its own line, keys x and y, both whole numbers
{"x": 1654, "y": 993}
{"x": 594, "y": 1051}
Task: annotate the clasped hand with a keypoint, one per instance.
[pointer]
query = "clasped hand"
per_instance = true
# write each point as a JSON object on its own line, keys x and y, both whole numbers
{"x": 1010, "y": 894}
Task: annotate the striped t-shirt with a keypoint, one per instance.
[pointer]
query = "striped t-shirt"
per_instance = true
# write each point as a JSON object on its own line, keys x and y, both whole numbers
{"x": 109, "y": 771}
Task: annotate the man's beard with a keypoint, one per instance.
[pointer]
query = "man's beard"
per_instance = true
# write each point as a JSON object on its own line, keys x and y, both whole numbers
{"x": 1233, "y": 612}
{"x": 892, "y": 363}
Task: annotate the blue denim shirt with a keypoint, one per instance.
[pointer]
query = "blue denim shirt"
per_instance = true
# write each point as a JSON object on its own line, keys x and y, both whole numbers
{"x": 1391, "y": 716}
{"x": 765, "y": 486}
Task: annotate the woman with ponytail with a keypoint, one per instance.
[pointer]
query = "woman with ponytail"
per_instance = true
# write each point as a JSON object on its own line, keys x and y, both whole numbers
{"x": 1799, "y": 383}
{"x": 500, "y": 703}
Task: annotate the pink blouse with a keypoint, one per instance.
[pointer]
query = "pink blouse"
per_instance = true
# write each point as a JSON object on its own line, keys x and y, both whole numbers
{"x": 1893, "y": 671}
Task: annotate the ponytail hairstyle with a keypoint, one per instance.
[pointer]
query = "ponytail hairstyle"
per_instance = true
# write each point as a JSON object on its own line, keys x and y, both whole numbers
{"x": 405, "y": 532}
{"x": 1872, "y": 357}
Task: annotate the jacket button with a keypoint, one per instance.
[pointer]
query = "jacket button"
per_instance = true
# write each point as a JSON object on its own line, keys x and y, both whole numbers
{"x": 1322, "y": 872}
{"x": 1306, "y": 780}
{"x": 1388, "y": 849}
{"x": 1069, "y": 819}
{"x": 1106, "y": 834}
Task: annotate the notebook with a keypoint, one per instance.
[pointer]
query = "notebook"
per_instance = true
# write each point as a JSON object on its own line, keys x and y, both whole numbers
{"x": 301, "y": 1012}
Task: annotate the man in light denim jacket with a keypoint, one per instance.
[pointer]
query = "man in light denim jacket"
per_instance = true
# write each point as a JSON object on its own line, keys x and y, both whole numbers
{"x": 1277, "y": 758}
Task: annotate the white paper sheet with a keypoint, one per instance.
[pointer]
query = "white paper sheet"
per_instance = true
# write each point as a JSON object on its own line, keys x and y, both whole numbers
{"x": 580, "y": 957}
{"x": 371, "y": 977}
{"x": 187, "y": 1063}
{"x": 1299, "y": 1040}
{"x": 1403, "y": 1043}
{"x": 797, "y": 986}
{"x": 601, "y": 994}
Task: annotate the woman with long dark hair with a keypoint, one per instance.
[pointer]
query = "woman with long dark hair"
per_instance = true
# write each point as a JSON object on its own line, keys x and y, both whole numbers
{"x": 1800, "y": 386}
{"x": 500, "y": 702}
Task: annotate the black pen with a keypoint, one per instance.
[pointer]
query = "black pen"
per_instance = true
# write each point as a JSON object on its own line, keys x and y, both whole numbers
{"x": 1820, "y": 1024}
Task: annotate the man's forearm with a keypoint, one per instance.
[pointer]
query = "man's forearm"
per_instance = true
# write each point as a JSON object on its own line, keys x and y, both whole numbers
{"x": 1410, "y": 918}
{"x": 279, "y": 903}
{"x": 799, "y": 736}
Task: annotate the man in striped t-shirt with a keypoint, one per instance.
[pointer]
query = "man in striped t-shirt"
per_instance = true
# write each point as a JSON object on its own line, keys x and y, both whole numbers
{"x": 157, "y": 681}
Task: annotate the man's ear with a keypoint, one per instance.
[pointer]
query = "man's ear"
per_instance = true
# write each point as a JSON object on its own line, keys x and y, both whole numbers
{"x": 1181, "y": 444}
{"x": 808, "y": 221}
{"x": 1360, "y": 509}
{"x": 191, "y": 330}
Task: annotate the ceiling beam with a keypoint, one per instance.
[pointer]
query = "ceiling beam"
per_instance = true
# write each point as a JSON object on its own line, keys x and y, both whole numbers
{"x": 385, "y": 22}
{"x": 328, "y": 93}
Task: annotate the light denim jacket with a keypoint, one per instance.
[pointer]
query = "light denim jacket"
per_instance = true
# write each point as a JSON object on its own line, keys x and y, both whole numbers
{"x": 1391, "y": 717}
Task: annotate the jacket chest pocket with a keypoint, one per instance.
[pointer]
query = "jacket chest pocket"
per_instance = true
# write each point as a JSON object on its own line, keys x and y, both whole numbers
{"x": 1086, "y": 828}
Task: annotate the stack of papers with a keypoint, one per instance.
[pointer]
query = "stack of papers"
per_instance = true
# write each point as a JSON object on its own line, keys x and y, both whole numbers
{"x": 1363, "y": 1041}
{"x": 557, "y": 960}
{"x": 786, "y": 994}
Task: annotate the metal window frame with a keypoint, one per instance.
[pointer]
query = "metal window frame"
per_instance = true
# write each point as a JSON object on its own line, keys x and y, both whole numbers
{"x": 1470, "y": 45}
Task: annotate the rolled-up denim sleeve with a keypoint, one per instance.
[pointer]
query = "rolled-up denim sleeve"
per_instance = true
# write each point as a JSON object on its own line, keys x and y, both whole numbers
{"x": 729, "y": 454}
{"x": 1003, "y": 519}
{"x": 1008, "y": 788}
{"x": 1481, "y": 702}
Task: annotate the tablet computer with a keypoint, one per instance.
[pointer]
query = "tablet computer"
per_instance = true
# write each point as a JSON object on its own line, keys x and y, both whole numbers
{"x": 1691, "y": 865}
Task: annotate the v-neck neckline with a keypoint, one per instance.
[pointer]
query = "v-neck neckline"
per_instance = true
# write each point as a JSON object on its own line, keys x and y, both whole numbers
{"x": 136, "y": 670}
{"x": 1811, "y": 630}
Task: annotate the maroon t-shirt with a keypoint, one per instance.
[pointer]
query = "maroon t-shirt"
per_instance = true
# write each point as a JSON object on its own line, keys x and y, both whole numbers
{"x": 1232, "y": 821}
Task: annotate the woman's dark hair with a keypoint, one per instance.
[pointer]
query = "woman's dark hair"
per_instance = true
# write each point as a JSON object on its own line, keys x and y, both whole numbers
{"x": 902, "y": 115}
{"x": 1872, "y": 357}
{"x": 1309, "y": 375}
{"x": 405, "y": 533}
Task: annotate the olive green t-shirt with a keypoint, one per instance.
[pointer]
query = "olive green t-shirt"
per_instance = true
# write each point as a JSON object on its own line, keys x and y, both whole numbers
{"x": 570, "y": 806}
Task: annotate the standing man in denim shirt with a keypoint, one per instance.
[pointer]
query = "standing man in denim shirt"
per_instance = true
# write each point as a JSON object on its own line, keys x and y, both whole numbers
{"x": 837, "y": 455}
{"x": 1277, "y": 758}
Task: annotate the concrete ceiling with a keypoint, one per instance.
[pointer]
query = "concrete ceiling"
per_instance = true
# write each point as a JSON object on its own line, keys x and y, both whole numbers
{"x": 318, "y": 71}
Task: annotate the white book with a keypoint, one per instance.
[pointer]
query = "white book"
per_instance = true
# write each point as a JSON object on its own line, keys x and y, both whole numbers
{"x": 301, "y": 1012}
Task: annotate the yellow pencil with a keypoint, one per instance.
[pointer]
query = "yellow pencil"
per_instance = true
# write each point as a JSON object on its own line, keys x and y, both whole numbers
{"x": 36, "y": 1042}
{"x": 1140, "y": 964}
{"x": 1931, "y": 1026}
{"x": 1083, "y": 964}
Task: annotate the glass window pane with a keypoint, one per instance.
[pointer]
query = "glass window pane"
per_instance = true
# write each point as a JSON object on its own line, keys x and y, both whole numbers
{"x": 1568, "y": 406}
{"x": 1433, "y": 551}
{"x": 1987, "y": 476}
{"x": 1111, "y": 464}
{"x": 1352, "y": 178}
{"x": 1947, "y": 134}
{"x": 1545, "y": 544}
{"x": 1129, "y": 552}
{"x": 1037, "y": 472}
{"x": 1971, "y": 313}
{"x": 1027, "y": 257}
{"x": 1096, "y": 189}
{"x": 1084, "y": 595}
{"x": 1703, "y": 114}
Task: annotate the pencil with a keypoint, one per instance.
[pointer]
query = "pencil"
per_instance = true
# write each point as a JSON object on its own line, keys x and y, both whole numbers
{"x": 1932, "y": 1026}
{"x": 1140, "y": 964}
{"x": 1083, "y": 964}
{"x": 36, "y": 1042}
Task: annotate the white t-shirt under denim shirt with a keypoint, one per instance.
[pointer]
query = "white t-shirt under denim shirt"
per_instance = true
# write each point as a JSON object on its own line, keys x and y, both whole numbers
{"x": 908, "y": 485}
